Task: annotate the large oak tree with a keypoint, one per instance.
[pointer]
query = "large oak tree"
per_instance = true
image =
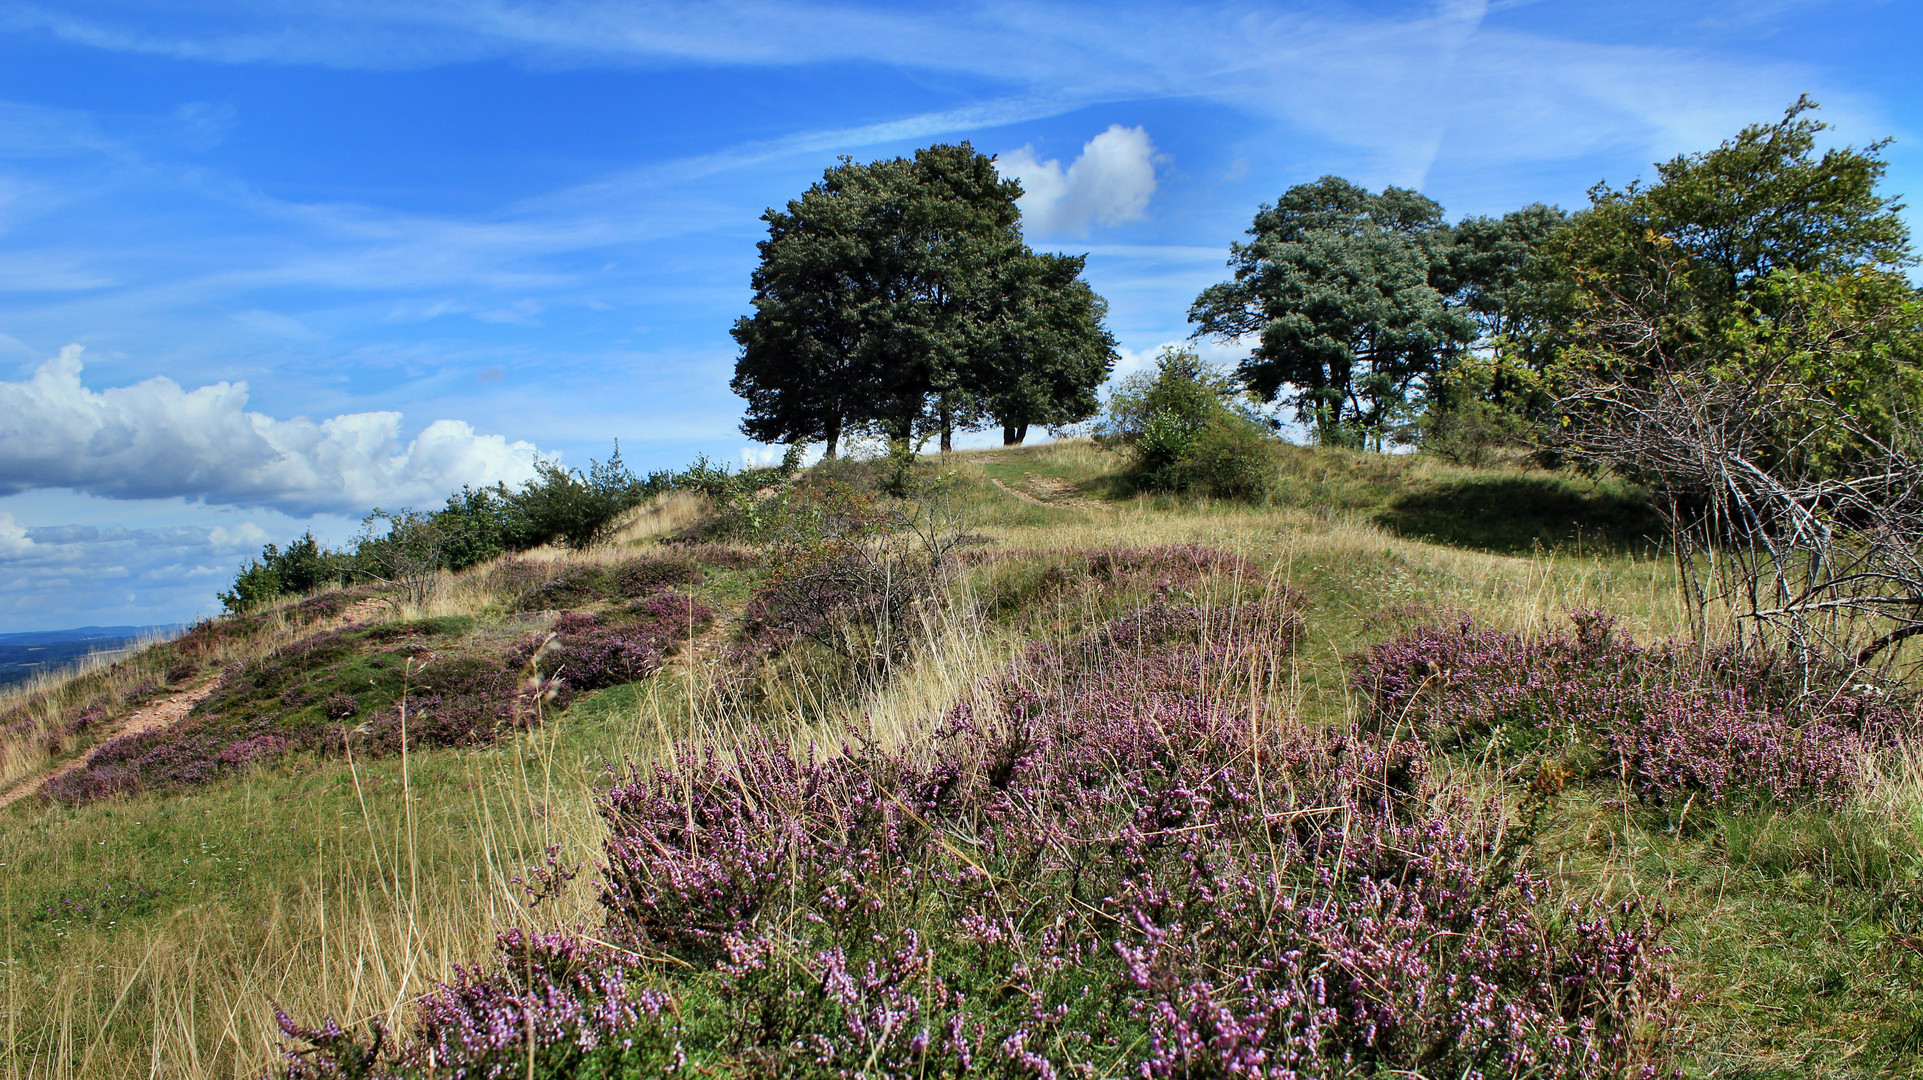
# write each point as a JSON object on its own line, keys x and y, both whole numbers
{"x": 898, "y": 296}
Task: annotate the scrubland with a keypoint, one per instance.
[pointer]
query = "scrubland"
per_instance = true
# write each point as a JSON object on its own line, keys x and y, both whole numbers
{"x": 1412, "y": 772}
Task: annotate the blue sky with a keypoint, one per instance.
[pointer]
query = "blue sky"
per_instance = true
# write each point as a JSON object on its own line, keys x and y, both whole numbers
{"x": 266, "y": 265}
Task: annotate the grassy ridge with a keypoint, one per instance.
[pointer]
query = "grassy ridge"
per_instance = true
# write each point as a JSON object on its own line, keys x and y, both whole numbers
{"x": 152, "y": 930}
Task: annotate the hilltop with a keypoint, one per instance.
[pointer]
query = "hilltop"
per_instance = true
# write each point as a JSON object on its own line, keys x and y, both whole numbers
{"x": 989, "y": 758}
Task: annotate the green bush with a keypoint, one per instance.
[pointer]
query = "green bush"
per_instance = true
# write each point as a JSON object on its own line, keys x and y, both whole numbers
{"x": 303, "y": 567}
{"x": 1471, "y": 432}
{"x": 1231, "y": 458}
{"x": 1191, "y": 431}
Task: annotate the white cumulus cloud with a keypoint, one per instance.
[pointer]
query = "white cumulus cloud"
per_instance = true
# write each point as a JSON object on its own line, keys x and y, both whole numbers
{"x": 157, "y": 440}
{"x": 1109, "y": 184}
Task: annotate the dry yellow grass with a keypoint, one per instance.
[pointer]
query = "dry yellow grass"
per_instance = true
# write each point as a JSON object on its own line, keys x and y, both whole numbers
{"x": 25, "y": 749}
{"x": 406, "y": 867}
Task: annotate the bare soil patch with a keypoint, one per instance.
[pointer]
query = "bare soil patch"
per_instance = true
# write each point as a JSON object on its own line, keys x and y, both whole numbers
{"x": 164, "y": 713}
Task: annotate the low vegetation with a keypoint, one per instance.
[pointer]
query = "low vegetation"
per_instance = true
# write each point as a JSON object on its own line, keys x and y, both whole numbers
{"x": 1177, "y": 752}
{"x": 1145, "y": 782}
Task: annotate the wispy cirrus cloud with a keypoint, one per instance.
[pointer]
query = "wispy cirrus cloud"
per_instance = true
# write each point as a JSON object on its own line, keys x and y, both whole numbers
{"x": 1352, "y": 74}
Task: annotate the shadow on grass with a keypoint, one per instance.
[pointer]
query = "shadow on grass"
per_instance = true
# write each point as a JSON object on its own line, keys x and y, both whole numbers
{"x": 1515, "y": 514}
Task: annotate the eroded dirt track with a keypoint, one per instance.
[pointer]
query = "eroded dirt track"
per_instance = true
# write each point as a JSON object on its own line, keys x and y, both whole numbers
{"x": 164, "y": 713}
{"x": 1048, "y": 491}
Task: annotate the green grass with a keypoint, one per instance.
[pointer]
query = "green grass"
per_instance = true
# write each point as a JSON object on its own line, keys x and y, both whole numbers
{"x": 154, "y": 929}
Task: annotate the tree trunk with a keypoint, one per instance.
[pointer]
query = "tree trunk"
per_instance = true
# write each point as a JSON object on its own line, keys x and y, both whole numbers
{"x": 1014, "y": 434}
{"x": 834, "y": 437}
{"x": 947, "y": 426}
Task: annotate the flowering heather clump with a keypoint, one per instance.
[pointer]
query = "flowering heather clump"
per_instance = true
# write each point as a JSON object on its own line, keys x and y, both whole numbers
{"x": 1175, "y": 565}
{"x": 1124, "y": 574}
{"x": 597, "y": 651}
{"x": 1668, "y": 726}
{"x": 321, "y": 694}
{"x": 649, "y": 574}
{"x": 255, "y": 748}
{"x": 572, "y": 1000}
{"x": 572, "y": 587}
{"x": 1123, "y": 885}
{"x": 1112, "y": 871}
{"x": 323, "y": 606}
{"x": 84, "y": 719}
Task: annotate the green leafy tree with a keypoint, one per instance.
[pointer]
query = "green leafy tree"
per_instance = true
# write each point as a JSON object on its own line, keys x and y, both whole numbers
{"x": 1342, "y": 290}
{"x": 1490, "y": 268}
{"x": 898, "y": 296}
{"x": 1491, "y": 394}
{"x": 802, "y": 348}
{"x": 1692, "y": 254}
{"x": 1046, "y": 352}
{"x": 1842, "y": 355}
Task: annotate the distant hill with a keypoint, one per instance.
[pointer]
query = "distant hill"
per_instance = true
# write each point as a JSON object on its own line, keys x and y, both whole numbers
{"x": 24, "y": 655}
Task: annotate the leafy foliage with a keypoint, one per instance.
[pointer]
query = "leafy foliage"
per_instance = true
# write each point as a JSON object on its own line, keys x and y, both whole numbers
{"x": 1190, "y": 432}
{"x": 302, "y": 568}
{"x": 898, "y": 295}
{"x": 1734, "y": 257}
{"x": 1342, "y": 289}
{"x": 407, "y": 549}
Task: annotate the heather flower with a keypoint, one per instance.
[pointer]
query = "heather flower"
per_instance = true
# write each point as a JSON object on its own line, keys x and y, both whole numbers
{"x": 1107, "y": 867}
{"x": 1667, "y": 725}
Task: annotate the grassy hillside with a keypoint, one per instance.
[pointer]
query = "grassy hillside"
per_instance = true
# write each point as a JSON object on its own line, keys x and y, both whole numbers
{"x": 349, "y": 792}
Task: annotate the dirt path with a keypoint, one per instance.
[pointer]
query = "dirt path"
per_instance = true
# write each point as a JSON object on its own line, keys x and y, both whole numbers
{"x": 166, "y": 712}
{"x": 1056, "y": 493}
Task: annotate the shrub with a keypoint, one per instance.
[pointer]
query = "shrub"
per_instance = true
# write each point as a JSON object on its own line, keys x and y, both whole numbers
{"x": 1182, "y": 391}
{"x": 574, "y": 999}
{"x": 636, "y": 578}
{"x": 1230, "y": 458}
{"x": 302, "y": 568}
{"x": 855, "y": 571}
{"x": 571, "y": 587}
{"x": 1191, "y": 432}
{"x": 1670, "y": 727}
{"x": 1471, "y": 432}
{"x": 596, "y": 652}
{"x": 1104, "y": 869}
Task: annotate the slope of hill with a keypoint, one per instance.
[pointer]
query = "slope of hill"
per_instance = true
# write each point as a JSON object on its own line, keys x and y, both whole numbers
{"x": 42, "y": 652}
{"x": 1118, "y": 774}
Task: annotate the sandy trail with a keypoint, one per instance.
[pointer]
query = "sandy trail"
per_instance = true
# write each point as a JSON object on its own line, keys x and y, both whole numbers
{"x": 1053, "y": 492}
{"x": 166, "y": 712}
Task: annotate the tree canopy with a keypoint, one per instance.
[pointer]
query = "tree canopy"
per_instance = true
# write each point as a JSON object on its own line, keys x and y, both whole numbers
{"x": 1760, "y": 264}
{"x": 898, "y": 296}
{"x": 1695, "y": 249}
{"x": 1343, "y": 290}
